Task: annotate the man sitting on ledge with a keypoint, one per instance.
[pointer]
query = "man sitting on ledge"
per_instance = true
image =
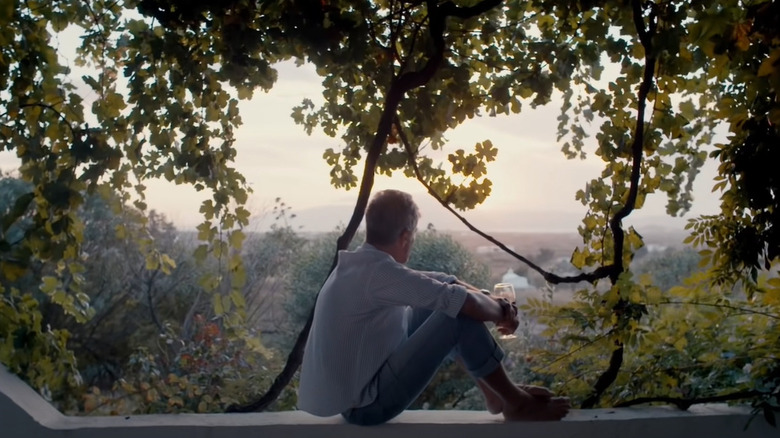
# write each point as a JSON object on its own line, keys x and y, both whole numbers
{"x": 381, "y": 330}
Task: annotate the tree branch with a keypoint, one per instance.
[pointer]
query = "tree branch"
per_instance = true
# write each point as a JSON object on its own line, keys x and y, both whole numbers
{"x": 645, "y": 37}
{"x": 601, "y": 272}
{"x": 724, "y": 306}
{"x": 685, "y": 403}
{"x": 606, "y": 378}
{"x": 615, "y": 223}
{"x": 150, "y": 300}
{"x": 570, "y": 353}
{"x": 74, "y": 131}
{"x": 450, "y": 9}
{"x": 398, "y": 89}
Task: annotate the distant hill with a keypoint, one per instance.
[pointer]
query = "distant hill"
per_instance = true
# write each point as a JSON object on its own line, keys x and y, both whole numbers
{"x": 513, "y": 220}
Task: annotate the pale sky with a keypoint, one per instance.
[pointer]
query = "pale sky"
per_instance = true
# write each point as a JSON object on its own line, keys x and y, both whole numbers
{"x": 533, "y": 183}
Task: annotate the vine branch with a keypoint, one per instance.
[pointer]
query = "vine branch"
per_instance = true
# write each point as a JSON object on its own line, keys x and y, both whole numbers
{"x": 606, "y": 379}
{"x": 399, "y": 87}
{"x": 570, "y": 353}
{"x": 685, "y": 403}
{"x": 74, "y": 131}
{"x": 615, "y": 223}
{"x": 590, "y": 277}
{"x": 724, "y": 306}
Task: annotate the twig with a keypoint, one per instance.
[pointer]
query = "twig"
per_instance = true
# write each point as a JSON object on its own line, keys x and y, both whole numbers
{"x": 74, "y": 131}
{"x": 150, "y": 299}
{"x": 601, "y": 272}
{"x": 581, "y": 347}
{"x": 685, "y": 403}
{"x": 724, "y": 306}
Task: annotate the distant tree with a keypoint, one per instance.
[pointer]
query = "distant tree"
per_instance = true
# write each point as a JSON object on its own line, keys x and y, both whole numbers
{"x": 436, "y": 251}
{"x": 268, "y": 257}
{"x": 130, "y": 303}
{"x": 670, "y": 267}
{"x": 307, "y": 273}
{"x": 544, "y": 256}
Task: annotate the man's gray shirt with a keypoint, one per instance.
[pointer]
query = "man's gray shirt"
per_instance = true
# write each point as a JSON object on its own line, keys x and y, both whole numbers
{"x": 359, "y": 320}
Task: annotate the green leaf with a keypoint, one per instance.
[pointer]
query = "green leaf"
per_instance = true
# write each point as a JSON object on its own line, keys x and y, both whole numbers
{"x": 167, "y": 263}
{"x": 201, "y": 252}
{"x": 770, "y": 64}
{"x": 687, "y": 110}
{"x": 12, "y": 271}
{"x": 49, "y": 284}
{"x": 236, "y": 239}
{"x": 486, "y": 151}
{"x": 216, "y": 301}
{"x": 20, "y": 207}
{"x": 152, "y": 261}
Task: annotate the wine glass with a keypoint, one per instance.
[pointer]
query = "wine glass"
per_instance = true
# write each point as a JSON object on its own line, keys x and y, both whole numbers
{"x": 507, "y": 292}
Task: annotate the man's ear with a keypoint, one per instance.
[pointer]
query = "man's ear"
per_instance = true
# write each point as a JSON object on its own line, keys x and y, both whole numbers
{"x": 406, "y": 237}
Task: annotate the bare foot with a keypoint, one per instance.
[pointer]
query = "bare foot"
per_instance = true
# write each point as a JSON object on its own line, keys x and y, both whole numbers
{"x": 495, "y": 405}
{"x": 537, "y": 410}
{"x": 538, "y": 392}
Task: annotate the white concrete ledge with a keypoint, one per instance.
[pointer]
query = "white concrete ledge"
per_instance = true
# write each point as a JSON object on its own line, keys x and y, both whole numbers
{"x": 23, "y": 413}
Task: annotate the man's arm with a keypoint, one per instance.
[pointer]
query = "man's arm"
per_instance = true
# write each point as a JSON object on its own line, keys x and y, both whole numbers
{"x": 469, "y": 287}
{"x": 486, "y": 308}
{"x": 440, "y": 276}
{"x": 480, "y": 305}
{"x": 482, "y": 308}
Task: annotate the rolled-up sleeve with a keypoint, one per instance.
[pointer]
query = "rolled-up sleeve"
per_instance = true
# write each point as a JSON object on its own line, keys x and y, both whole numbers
{"x": 440, "y": 276}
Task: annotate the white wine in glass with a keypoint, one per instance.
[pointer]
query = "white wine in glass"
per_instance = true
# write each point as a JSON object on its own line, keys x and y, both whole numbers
{"x": 507, "y": 292}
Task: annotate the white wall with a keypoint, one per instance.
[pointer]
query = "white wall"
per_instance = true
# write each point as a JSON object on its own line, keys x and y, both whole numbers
{"x": 23, "y": 414}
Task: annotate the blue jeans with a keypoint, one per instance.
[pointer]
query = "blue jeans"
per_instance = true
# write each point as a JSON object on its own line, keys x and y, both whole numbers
{"x": 406, "y": 373}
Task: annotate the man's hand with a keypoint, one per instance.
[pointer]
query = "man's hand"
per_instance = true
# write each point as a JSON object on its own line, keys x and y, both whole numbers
{"x": 482, "y": 306}
{"x": 510, "y": 323}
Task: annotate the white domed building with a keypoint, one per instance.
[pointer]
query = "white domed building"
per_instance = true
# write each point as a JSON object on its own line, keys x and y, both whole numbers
{"x": 518, "y": 281}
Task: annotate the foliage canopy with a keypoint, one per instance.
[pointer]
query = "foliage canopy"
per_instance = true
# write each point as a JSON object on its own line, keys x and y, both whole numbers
{"x": 644, "y": 86}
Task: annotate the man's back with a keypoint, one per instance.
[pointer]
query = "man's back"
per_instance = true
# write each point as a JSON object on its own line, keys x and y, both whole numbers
{"x": 358, "y": 323}
{"x": 345, "y": 322}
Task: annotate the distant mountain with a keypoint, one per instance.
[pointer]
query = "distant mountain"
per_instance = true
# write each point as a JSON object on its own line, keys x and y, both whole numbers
{"x": 328, "y": 217}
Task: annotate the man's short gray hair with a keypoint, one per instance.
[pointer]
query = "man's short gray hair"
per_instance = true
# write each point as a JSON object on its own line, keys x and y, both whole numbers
{"x": 389, "y": 213}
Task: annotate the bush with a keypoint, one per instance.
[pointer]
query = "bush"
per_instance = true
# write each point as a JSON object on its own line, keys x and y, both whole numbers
{"x": 207, "y": 373}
